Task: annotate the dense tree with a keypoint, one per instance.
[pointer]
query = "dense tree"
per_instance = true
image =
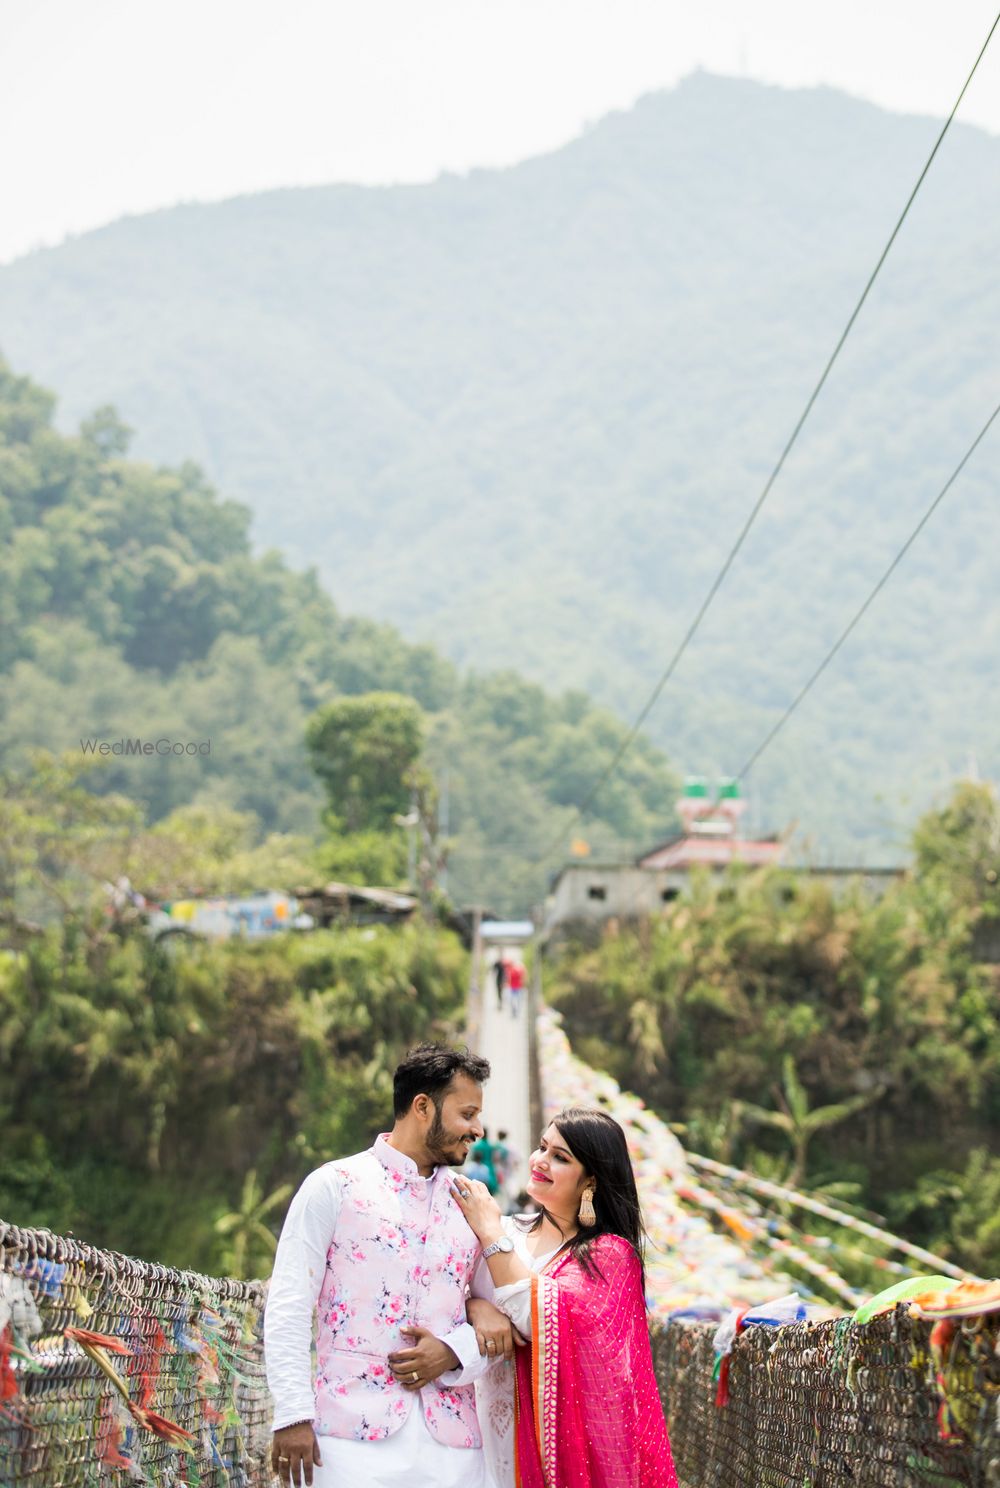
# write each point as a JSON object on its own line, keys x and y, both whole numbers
{"x": 958, "y": 847}
{"x": 51, "y": 829}
{"x": 878, "y": 1013}
{"x": 523, "y": 414}
{"x": 132, "y": 605}
{"x": 251, "y": 1242}
{"x": 797, "y": 1122}
{"x": 178, "y": 1075}
{"x": 366, "y": 750}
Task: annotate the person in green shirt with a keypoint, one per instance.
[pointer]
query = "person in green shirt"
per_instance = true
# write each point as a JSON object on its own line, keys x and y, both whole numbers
{"x": 482, "y": 1152}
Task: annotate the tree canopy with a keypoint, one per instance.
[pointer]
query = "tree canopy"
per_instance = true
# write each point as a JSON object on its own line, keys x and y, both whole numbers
{"x": 522, "y": 414}
{"x": 822, "y": 1036}
{"x": 365, "y": 750}
{"x": 132, "y": 607}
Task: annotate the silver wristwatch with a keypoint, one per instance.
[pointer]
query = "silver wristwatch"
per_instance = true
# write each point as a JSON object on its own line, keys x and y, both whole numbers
{"x": 505, "y": 1243}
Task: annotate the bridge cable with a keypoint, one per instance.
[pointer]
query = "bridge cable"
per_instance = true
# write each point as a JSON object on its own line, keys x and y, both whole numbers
{"x": 845, "y": 633}
{"x": 716, "y": 585}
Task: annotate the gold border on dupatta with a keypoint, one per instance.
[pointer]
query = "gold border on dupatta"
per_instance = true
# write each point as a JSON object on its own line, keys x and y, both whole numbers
{"x": 545, "y": 1333}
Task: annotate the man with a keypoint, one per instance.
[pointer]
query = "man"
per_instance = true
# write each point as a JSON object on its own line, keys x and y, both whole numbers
{"x": 376, "y": 1244}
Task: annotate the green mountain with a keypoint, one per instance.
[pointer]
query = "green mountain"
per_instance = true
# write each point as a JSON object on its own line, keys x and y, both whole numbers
{"x": 522, "y": 414}
{"x": 132, "y": 607}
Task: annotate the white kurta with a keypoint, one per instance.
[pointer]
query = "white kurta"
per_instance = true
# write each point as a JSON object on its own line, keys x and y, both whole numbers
{"x": 495, "y": 1388}
{"x": 410, "y": 1457}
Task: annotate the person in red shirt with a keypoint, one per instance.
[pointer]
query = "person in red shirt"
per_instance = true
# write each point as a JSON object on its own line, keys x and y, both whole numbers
{"x": 515, "y": 981}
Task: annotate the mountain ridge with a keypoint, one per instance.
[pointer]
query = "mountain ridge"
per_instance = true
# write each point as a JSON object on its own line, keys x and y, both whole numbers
{"x": 522, "y": 413}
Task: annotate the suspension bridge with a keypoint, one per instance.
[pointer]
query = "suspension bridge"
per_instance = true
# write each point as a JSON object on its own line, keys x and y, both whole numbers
{"x": 116, "y": 1370}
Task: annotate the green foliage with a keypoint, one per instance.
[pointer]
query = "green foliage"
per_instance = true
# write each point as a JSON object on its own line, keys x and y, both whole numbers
{"x": 62, "y": 845}
{"x": 251, "y": 1243}
{"x": 176, "y": 1076}
{"x": 958, "y": 846}
{"x": 363, "y": 858}
{"x": 523, "y": 413}
{"x": 365, "y": 751}
{"x": 131, "y": 607}
{"x": 975, "y": 1221}
{"x": 795, "y": 1120}
{"x": 51, "y": 828}
{"x": 864, "y": 1034}
{"x": 212, "y": 849}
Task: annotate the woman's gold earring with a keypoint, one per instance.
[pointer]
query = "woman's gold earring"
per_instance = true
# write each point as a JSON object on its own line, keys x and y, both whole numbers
{"x": 587, "y": 1215}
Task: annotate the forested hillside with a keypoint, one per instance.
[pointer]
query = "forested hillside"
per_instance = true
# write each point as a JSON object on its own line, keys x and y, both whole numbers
{"x": 132, "y": 606}
{"x": 824, "y": 1039}
{"x": 521, "y": 414}
{"x": 181, "y": 1079}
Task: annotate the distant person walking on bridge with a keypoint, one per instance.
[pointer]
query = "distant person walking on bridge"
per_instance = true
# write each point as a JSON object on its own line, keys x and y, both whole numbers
{"x": 505, "y": 1161}
{"x": 377, "y": 1247}
{"x": 571, "y": 1279}
{"x": 515, "y": 978}
{"x": 481, "y": 1157}
{"x": 500, "y": 973}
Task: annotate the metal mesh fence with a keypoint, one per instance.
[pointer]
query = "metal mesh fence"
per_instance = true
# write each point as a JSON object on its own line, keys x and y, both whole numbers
{"x": 114, "y": 1370}
{"x": 896, "y": 1402}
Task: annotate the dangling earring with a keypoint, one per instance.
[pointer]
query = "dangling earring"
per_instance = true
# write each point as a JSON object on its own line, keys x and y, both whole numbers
{"x": 587, "y": 1216}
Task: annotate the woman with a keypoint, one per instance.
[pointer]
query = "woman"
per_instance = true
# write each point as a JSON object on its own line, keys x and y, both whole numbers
{"x": 588, "y": 1412}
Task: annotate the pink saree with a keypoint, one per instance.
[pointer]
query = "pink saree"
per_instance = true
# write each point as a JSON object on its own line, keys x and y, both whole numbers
{"x": 588, "y": 1413}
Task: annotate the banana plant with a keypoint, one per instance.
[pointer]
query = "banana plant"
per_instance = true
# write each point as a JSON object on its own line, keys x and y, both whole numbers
{"x": 795, "y": 1121}
{"x": 251, "y": 1240}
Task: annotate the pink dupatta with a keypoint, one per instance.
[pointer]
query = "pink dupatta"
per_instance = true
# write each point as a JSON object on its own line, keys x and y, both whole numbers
{"x": 588, "y": 1409}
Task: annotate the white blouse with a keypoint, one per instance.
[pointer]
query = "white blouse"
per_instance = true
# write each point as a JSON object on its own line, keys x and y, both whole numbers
{"x": 495, "y": 1390}
{"x": 515, "y": 1298}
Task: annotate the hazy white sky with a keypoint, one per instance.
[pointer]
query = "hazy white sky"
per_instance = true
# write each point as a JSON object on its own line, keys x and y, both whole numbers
{"x": 116, "y": 106}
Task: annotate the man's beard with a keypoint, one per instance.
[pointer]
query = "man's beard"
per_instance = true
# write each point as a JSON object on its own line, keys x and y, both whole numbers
{"x": 446, "y": 1150}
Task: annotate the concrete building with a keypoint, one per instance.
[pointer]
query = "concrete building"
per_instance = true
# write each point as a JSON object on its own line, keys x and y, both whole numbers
{"x": 587, "y": 892}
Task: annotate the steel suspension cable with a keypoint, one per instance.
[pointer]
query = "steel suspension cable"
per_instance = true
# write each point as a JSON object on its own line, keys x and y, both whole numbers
{"x": 626, "y": 744}
{"x": 872, "y": 596}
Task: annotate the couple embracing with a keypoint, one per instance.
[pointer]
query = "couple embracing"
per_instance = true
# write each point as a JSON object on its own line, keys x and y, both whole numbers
{"x": 425, "y": 1298}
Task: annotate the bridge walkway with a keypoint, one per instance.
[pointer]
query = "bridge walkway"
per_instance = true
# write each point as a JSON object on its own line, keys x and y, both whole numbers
{"x": 503, "y": 1039}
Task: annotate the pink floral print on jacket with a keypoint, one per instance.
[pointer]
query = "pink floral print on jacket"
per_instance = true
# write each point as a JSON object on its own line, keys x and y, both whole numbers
{"x": 403, "y": 1254}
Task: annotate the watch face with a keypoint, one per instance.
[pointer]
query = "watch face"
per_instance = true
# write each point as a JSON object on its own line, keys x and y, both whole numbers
{"x": 505, "y": 1244}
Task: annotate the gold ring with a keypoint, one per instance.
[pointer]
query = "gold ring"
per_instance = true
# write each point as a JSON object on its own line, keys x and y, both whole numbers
{"x": 414, "y": 1376}
{"x": 284, "y": 1459}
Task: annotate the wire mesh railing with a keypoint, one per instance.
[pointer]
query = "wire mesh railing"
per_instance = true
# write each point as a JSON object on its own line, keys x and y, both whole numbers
{"x": 892, "y": 1403}
{"x": 113, "y": 1369}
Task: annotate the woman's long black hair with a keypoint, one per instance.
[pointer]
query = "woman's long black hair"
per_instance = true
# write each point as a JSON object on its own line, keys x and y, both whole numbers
{"x": 598, "y": 1144}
